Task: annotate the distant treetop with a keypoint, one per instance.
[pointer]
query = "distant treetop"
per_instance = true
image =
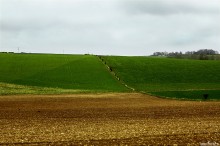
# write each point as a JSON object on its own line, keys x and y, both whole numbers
{"x": 202, "y": 54}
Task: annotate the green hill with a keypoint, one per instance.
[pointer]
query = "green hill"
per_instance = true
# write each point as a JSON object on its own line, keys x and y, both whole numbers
{"x": 56, "y": 74}
{"x": 78, "y": 72}
{"x": 168, "y": 77}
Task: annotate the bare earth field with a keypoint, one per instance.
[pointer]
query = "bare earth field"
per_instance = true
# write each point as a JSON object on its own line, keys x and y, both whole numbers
{"x": 107, "y": 119}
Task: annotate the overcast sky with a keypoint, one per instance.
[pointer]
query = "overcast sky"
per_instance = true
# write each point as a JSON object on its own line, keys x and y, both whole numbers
{"x": 110, "y": 27}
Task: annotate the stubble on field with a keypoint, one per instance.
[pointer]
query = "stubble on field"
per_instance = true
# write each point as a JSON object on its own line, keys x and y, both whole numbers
{"x": 106, "y": 119}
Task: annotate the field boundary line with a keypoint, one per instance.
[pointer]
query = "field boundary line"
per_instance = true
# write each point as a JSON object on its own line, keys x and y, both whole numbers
{"x": 113, "y": 73}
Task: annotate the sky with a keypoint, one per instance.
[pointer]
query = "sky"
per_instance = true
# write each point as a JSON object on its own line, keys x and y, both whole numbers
{"x": 109, "y": 27}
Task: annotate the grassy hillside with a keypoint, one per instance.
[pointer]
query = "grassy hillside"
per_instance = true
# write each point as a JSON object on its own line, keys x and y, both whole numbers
{"x": 55, "y": 74}
{"x": 81, "y": 72}
{"x": 167, "y": 76}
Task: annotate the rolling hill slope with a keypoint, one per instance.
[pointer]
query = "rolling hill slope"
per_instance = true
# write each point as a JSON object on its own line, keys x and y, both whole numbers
{"x": 55, "y": 74}
{"x": 179, "y": 78}
{"x": 80, "y": 72}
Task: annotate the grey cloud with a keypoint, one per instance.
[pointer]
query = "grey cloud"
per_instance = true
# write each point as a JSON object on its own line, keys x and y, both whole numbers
{"x": 168, "y": 7}
{"x": 109, "y": 27}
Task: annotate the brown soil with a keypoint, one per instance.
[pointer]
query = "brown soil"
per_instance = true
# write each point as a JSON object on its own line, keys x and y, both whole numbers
{"x": 106, "y": 119}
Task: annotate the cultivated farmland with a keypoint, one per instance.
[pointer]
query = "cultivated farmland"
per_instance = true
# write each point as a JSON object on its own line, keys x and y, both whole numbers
{"x": 88, "y": 103}
{"x": 168, "y": 77}
{"x": 106, "y": 119}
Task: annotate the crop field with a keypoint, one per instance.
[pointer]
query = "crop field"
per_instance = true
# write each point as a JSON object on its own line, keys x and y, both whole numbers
{"x": 89, "y": 100}
{"x": 48, "y": 73}
{"x": 66, "y": 74}
{"x": 106, "y": 119}
{"x": 168, "y": 77}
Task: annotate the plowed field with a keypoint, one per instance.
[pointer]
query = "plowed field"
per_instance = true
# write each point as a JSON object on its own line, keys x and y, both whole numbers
{"x": 107, "y": 119}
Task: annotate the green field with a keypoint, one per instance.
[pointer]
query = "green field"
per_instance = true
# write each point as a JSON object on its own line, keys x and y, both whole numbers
{"x": 64, "y": 74}
{"x": 168, "y": 77}
{"x": 49, "y": 73}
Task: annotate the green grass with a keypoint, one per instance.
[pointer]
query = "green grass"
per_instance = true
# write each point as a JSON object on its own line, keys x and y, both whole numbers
{"x": 168, "y": 76}
{"x": 64, "y": 74}
{"x": 189, "y": 95}
{"x": 78, "y": 72}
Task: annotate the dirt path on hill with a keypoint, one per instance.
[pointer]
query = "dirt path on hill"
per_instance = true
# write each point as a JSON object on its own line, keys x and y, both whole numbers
{"x": 106, "y": 119}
